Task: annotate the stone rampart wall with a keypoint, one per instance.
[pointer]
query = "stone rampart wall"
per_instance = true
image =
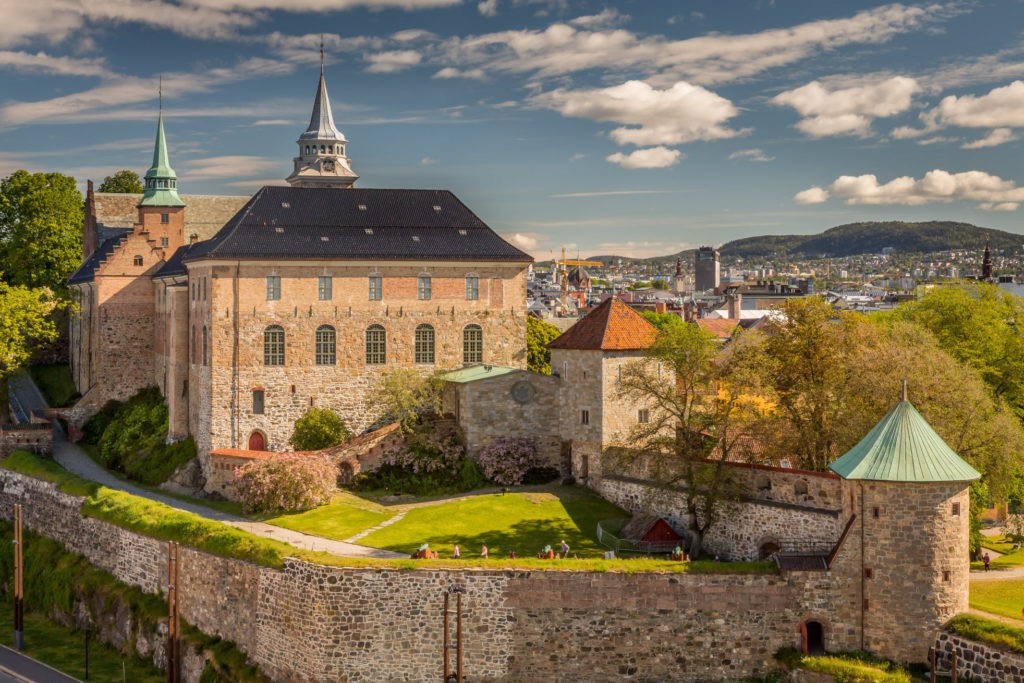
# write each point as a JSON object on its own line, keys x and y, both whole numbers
{"x": 981, "y": 662}
{"x": 37, "y": 438}
{"x": 316, "y": 623}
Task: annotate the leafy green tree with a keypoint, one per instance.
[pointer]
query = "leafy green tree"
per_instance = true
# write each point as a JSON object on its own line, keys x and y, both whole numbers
{"x": 25, "y": 323}
{"x": 538, "y": 335}
{"x": 122, "y": 182}
{"x": 703, "y": 409}
{"x": 319, "y": 428}
{"x": 40, "y": 229}
{"x": 404, "y": 395}
{"x": 665, "y": 322}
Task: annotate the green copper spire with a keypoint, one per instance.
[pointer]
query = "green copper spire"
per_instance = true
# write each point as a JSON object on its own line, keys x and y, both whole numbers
{"x": 161, "y": 181}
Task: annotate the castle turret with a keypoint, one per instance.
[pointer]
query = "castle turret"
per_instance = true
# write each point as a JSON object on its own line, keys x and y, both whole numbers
{"x": 161, "y": 217}
{"x": 910, "y": 492}
{"x": 322, "y": 161}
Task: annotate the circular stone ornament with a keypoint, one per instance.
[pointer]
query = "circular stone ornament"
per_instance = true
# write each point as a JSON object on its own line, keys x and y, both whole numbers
{"x": 522, "y": 392}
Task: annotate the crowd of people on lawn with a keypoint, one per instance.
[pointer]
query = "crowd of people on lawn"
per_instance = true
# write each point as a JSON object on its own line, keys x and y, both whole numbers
{"x": 547, "y": 553}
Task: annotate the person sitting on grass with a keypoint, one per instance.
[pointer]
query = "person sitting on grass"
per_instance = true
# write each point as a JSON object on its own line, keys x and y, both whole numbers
{"x": 547, "y": 553}
{"x": 423, "y": 553}
{"x": 678, "y": 555}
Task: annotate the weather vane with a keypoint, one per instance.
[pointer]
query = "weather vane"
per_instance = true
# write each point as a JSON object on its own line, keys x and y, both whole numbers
{"x": 160, "y": 92}
{"x": 321, "y": 53}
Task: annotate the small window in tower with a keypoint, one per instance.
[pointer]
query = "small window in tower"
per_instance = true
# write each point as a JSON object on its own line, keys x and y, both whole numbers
{"x": 868, "y": 573}
{"x": 584, "y": 417}
{"x": 257, "y": 401}
{"x": 165, "y": 218}
{"x": 643, "y": 416}
{"x": 876, "y": 512}
{"x": 956, "y": 509}
{"x": 165, "y": 241}
{"x": 137, "y": 261}
{"x": 945, "y": 575}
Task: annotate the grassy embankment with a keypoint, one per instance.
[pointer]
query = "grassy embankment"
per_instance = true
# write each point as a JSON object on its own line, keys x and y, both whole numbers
{"x": 853, "y": 666}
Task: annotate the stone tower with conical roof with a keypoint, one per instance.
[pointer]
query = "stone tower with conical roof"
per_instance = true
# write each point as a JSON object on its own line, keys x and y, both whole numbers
{"x": 161, "y": 212}
{"x": 322, "y": 161}
{"x": 910, "y": 494}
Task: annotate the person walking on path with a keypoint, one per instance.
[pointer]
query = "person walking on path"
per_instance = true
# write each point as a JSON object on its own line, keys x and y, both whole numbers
{"x": 483, "y": 552}
{"x": 455, "y": 553}
{"x": 564, "y": 547}
{"x": 986, "y": 559}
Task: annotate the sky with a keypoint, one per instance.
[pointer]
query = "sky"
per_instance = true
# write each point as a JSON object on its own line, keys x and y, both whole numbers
{"x": 637, "y": 127}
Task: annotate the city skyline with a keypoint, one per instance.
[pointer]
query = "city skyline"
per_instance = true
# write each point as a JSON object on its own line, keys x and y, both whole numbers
{"x": 630, "y": 128}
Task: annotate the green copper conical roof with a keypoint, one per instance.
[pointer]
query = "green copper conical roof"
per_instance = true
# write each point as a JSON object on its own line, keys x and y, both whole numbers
{"x": 161, "y": 181}
{"x": 903, "y": 447}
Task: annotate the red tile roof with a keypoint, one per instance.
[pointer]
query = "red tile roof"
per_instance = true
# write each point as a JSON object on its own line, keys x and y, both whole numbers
{"x": 720, "y": 327}
{"x": 612, "y": 326}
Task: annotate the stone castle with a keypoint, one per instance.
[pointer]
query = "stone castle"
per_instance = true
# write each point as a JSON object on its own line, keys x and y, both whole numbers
{"x": 247, "y": 311}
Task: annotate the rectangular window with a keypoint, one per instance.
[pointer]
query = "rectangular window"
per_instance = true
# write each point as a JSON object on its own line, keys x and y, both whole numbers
{"x": 956, "y": 509}
{"x": 945, "y": 575}
{"x": 376, "y": 288}
{"x": 165, "y": 241}
{"x": 204, "y": 288}
{"x": 424, "y": 288}
{"x": 257, "y": 401}
{"x": 868, "y": 573}
{"x": 643, "y": 416}
{"x": 585, "y": 417}
{"x": 273, "y": 287}
{"x": 165, "y": 218}
{"x": 137, "y": 261}
{"x": 876, "y": 512}
{"x": 325, "y": 288}
{"x": 472, "y": 288}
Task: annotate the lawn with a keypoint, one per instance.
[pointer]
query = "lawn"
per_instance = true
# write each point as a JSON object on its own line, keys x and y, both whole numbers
{"x": 524, "y": 522}
{"x": 345, "y": 516}
{"x": 64, "y": 649}
{"x": 1005, "y": 598}
{"x": 55, "y": 383}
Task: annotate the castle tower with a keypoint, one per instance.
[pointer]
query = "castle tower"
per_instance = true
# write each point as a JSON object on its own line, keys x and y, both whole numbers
{"x": 707, "y": 269}
{"x": 910, "y": 494}
{"x": 986, "y": 265}
{"x": 161, "y": 216}
{"x": 322, "y": 161}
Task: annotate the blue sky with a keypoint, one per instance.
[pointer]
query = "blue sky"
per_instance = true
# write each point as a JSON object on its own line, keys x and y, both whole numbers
{"x": 633, "y": 127}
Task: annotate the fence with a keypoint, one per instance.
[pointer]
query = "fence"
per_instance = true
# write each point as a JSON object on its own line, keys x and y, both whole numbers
{"x": 607, "y": 535}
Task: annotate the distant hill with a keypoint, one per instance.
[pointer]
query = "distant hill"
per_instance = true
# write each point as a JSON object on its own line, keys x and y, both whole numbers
{"x": 854, "y": 239}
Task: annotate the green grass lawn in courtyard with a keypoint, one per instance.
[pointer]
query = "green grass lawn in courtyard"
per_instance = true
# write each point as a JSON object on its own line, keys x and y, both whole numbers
{"x": 1005, "y": 598}
{"x": 520, "y": 521}
{"x": 345, "y": 516}
{"x": 64, "y": 649}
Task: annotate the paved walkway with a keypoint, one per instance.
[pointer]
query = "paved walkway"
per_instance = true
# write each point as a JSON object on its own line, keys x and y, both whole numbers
{"x": 18, "y": 668}
{"x": 77, "y": 461}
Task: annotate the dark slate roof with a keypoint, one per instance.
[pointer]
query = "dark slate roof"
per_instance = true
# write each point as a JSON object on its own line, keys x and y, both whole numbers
{"x": 87, "y": 271}
{"x": 174, "y": 265}
{"x": 321, "y": 223}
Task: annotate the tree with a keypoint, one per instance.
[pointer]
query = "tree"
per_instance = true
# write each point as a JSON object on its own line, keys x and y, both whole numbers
{"x": 122, "y": 182}
{"x": 538, "y": 335}
{"x": 317, "y": 429}
{"x": 663, "y": 321}
{"x": 404, "y": 394}
{"x": 25, "y": 323}
{"x": 286, "y": 483}
{"x": 40, "y": 229}
{"x": 703, "y": 409}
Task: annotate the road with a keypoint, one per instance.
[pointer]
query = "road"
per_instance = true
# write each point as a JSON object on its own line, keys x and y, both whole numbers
{"x": 17, "y": 668}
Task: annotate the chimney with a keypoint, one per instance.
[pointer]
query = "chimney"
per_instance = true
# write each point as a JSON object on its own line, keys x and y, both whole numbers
{"x": 735, "y": 305}
{"x": 660, "y": 307}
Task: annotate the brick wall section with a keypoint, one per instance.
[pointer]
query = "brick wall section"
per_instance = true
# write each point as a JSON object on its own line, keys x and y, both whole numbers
{"x": 37, "y": 438}
{"x": 204, "y": 214}
{"x": 314, "y": 623}
{"x": 580, "y": 374}
{"x": 982, "y": 662}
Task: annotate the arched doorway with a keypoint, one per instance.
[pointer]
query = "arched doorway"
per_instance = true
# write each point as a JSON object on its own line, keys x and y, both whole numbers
{"x": 257, "y": 442}
{"x": 767, "y": 549}
{"x": 813, "y": 635}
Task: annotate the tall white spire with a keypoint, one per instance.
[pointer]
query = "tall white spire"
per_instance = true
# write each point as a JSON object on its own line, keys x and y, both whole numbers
{"x": 322, "y": 161}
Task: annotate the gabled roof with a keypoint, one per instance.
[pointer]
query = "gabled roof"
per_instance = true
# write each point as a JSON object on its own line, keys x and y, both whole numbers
{"x": 356, "y": 224}
{"x": 87, "y": 271}
{"x": 612, "y": 326}
{"x": 903, "y": 447}
{"x": 174, "y": 265}
{"x": 721, "y": 328}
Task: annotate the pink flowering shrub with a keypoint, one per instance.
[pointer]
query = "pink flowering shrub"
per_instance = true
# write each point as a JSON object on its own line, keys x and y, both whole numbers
{"x": 286, "y": 483}
{"x": 507, "y": 460}
{"x": 427, "y": 463}
{"x": 425, "y": 455}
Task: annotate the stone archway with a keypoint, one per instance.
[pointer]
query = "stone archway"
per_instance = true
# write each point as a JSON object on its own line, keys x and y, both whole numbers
{"x": 257, "y": 442}
{"x": 812, "y": 635}
{"x": 767, "y": 548}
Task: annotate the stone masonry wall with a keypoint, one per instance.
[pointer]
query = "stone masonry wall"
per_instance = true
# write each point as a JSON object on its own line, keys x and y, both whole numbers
{"x": 316, "y": 623}
{"x": 580, "y": 377}
{"x": 982, "y": 662}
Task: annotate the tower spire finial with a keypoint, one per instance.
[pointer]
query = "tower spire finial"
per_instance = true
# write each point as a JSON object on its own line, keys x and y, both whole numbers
{"x": 160, "y": 92}
{"x": 321, "y": 54}
{"x": 904, "y": 390}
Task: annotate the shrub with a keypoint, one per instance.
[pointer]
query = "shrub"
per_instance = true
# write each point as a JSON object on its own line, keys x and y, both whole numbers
{"x": 507, "y": 460}
{"x": 319, "y": 428}
{"x": 286, "y": 483}
{"x": 425, "y": 464}
{"x": 1014, "y": 528}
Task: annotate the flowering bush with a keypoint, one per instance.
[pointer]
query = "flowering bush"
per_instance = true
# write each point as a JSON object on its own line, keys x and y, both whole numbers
{"x": 285, "y": 483}
{"x": 507, "y": 460}
{"x": 427, "y": 463}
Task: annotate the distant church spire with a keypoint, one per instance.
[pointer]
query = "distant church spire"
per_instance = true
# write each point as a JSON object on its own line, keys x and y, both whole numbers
{"x": 161, "y": 180}
{"x": 986, "y": 264}
{"x": 322, "y": 161}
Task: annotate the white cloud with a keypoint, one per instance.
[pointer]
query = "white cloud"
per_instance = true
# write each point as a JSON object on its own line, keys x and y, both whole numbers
{"x": 682, "y": 113}
{"x": 1001, "y": 107}
{"x": 392, "y": 61}
{"x": 605, "y": 18}
{"x": 992, "y": 192}
{"x": 755, "y": 154}
{"x": 651, "y": 157}
{"x": 847, "y": 111}
{"x": 488, "y": 8}
{"x": 523, "y": 241}
{"x": 427, "y": 161}
{"x": 43, "y": 63}
{"x": 995, "y": 138}
{"x": 452, "y": 72}
{"x": 274, "y": 122}
{"x": 227, "y": 167}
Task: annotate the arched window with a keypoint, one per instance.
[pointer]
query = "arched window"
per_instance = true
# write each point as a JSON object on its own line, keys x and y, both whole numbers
{"x": 307, "y": 149}
{"x": 137, "y": 260}
{"x": 321, "y": 149}
{"x": 325, "y": 345}
{"x": 193, "y": 345}
{"x": 206, "y": 347}
{"x": 424, "y": 344}
{"x": 472, "y": 344}
{"x": 273, "y": 345}
{"x": 376, "y": 345}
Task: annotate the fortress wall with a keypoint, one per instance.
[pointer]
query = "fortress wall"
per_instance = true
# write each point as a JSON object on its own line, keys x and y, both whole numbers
{"x": 982, "y": 662}
{"x": 316, "y": 623}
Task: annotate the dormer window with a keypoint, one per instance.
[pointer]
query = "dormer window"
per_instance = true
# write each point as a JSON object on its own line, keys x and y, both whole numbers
{"x": 137, "y": 261}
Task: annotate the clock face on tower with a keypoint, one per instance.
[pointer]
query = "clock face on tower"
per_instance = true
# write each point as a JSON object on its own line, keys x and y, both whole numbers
{"x": 329, "y": 166}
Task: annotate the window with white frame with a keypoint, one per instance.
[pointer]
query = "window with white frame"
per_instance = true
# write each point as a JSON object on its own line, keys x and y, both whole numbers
{"x": 273, "y": 287}
{"x": 326, "y": 349}
{"x": 325, "y": 288}
{"x": 424, "y": 343}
